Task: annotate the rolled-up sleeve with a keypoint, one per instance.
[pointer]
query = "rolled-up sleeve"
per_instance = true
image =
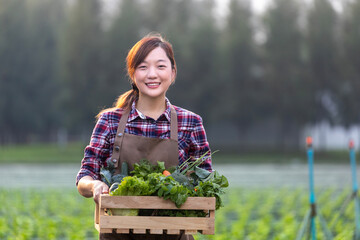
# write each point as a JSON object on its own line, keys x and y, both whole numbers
{"x": 96, "y": 153}
{"x": 199, "y": 145}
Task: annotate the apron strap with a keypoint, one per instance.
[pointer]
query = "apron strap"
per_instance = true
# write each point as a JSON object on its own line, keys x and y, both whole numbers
{"x": 119, "y": 137}
{"x": 173, "y": 124}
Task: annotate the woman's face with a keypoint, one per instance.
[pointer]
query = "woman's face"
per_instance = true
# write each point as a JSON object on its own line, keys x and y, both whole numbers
{"x": 154, "y": 75}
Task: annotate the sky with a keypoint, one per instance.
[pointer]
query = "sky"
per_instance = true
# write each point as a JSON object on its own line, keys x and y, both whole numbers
{"x": 258, "y": 6}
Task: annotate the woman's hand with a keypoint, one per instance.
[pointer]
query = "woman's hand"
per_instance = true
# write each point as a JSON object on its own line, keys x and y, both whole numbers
{"x": 99, "y": 188}
{"x": 88, "y": 187}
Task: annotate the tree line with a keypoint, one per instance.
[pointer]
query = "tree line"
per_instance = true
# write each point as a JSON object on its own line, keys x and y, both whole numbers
{"x": 61, "y": 62}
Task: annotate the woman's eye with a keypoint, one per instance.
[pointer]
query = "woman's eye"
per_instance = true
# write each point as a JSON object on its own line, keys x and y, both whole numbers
{"x": 162, "y": 66}
{"x": 142, "y": 67}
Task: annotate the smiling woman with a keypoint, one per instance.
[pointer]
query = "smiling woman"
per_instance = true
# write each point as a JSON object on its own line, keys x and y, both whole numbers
{"x": 143, "y": 124}
{"x": 153, "y": 78}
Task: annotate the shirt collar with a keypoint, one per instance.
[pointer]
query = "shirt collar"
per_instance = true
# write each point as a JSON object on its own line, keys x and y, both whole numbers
{"x": 134, "y": 113}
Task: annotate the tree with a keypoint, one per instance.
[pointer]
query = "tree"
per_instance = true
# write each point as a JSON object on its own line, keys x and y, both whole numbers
{"x": 120, "y": 37}
{"x": 80, "y": 65}
{"x": 240, "y": 90}
{"x": 45, "y": 19}
{"x": 348, "y": 91}
{"x": 323, "y": 59}
{"x": 284, "y": 72}
{"x": 13, "y": 58}
{"x": 157, "y": 13}
{"x": 28, "y": 59}
{"x": 200, "y": 82}
{"x": 178, "y": 30}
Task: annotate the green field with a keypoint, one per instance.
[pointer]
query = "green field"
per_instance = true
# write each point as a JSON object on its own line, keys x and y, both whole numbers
{"x": 248, "y": 214}
{"x": 42, "y": 153}
{"x": 73, "y": 153}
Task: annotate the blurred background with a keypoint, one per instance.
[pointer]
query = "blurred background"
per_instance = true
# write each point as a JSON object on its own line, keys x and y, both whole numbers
{"x": 261, "y": 74}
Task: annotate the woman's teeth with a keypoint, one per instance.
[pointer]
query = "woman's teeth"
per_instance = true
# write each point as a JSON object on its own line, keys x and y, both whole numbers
{"x": 153, "y": 84}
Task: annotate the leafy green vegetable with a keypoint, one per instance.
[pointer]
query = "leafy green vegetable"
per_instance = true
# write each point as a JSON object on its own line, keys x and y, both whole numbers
{"x": 191, "y": 163}
{"x": 212, "y": 188}
{"x": 124, "y": 212}
{"x": 186, "y": 180}
{"x": 202, "y": 173}
{"x": 108, "y": 175}
{"x": 182, "y": 179}
{"x": 144, "y": 168}
{"x": 182, "y": 213}
{"x": 114, "y": 186}
{"x": 189, "y": 173}
{"x": 173, "y": 190}
{"x": 133, "y": 186}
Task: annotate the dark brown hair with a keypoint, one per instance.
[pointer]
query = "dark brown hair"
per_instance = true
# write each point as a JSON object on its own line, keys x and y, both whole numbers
{"x": 135, "y": 57}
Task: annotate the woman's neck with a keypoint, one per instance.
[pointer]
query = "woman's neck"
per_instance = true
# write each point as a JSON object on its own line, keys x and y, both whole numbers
{"x": 151, "y": 107}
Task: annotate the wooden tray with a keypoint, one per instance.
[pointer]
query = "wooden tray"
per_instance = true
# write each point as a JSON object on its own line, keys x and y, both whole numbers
{"x": 154, "y": 224}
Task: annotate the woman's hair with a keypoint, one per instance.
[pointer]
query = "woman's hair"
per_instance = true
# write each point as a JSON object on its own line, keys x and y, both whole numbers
{"x": 135, "y": 57}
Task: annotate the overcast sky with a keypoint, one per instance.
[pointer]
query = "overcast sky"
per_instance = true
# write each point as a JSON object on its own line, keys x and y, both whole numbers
{"x": 258, "y": 6}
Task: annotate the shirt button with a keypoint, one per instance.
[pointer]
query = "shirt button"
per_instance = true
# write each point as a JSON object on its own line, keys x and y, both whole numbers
{"x": 117, "y": 148}
{"x": 120, "y": 134}
{"x": 114, "y": 160}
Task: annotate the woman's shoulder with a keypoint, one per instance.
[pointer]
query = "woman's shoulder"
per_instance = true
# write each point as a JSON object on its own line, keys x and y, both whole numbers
{"x": 187, "y": 117}
{"x": 111, "y": 114}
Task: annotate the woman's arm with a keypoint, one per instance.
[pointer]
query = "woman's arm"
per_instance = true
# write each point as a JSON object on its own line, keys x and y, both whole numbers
{"x": 88, "y": 187}
{"x": 88, "y": 179}
{"x": 200, "y": 145}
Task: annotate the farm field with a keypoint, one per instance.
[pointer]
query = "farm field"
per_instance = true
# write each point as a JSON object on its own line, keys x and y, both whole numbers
{"x": 73, "y": 153}
{"x": 251, "y": 214}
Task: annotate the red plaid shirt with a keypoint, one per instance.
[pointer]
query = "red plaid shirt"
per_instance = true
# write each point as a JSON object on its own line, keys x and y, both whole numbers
{"x": 192, "y": 139}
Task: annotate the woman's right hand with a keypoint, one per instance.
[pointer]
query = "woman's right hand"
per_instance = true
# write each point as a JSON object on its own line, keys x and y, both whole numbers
{"x": 99, "y": 188}
{"x": 88, "y": 187}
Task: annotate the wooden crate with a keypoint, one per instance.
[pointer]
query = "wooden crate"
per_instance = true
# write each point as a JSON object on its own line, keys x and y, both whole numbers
{"x": 154, "y": 224}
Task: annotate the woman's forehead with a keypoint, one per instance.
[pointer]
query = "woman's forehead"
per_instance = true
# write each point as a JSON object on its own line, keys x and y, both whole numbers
{"x": 157, "y": 55}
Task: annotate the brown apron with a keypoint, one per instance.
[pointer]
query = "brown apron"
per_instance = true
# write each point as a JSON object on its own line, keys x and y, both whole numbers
{"x": 132, "y": 148}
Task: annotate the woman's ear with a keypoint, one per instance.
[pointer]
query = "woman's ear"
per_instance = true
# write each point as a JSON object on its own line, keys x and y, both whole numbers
{"x": 173, "y": 76}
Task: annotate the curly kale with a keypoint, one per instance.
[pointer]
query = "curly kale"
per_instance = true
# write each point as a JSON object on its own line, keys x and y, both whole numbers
{"x": 108, "y": 175}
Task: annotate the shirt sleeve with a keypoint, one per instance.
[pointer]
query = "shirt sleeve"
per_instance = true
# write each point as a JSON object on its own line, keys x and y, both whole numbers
{"x": 200, "y": 145}
{"x": 96, "y": 153}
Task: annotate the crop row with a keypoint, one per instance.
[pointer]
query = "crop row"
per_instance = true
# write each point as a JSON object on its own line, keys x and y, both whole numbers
{"x": 251, "y": 214}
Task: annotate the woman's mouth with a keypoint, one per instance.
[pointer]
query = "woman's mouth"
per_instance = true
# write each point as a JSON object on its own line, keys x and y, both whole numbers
{"x": 152, "y": 85}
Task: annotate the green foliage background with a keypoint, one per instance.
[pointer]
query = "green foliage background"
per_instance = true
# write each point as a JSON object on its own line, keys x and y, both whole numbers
{"x": 63, "y": 61}
{"x": 252, "y": 214}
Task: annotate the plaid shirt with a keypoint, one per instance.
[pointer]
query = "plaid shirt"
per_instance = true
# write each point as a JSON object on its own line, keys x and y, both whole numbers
{"x": 192, "y": 139}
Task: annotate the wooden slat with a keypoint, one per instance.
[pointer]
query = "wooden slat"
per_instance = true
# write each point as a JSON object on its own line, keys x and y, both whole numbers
{"x": 211, "y": 230}
{"x": 97, "y": 213}
{"x": 124, "y": 231}
{"x": 191, "y": 232}
{"x": 102, "y": 230}
{"x": 156, "y": 231}
{"x": 105, "y": 230}
{"x": 173, "y": 231}
{"x": 208, "y": 232}
{"x": 139, "y": 231}
{"x": 154, "y": 202}
{"x": 212, "y": 214}
{"x": 97, "y": 227}
{"x": 142, "y": 222}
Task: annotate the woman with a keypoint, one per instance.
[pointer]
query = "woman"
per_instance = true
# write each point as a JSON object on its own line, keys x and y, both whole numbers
{"x": 143, "y": 123}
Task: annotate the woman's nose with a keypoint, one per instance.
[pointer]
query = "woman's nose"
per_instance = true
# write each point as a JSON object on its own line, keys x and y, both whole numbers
{"x": 151, "y": 72}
